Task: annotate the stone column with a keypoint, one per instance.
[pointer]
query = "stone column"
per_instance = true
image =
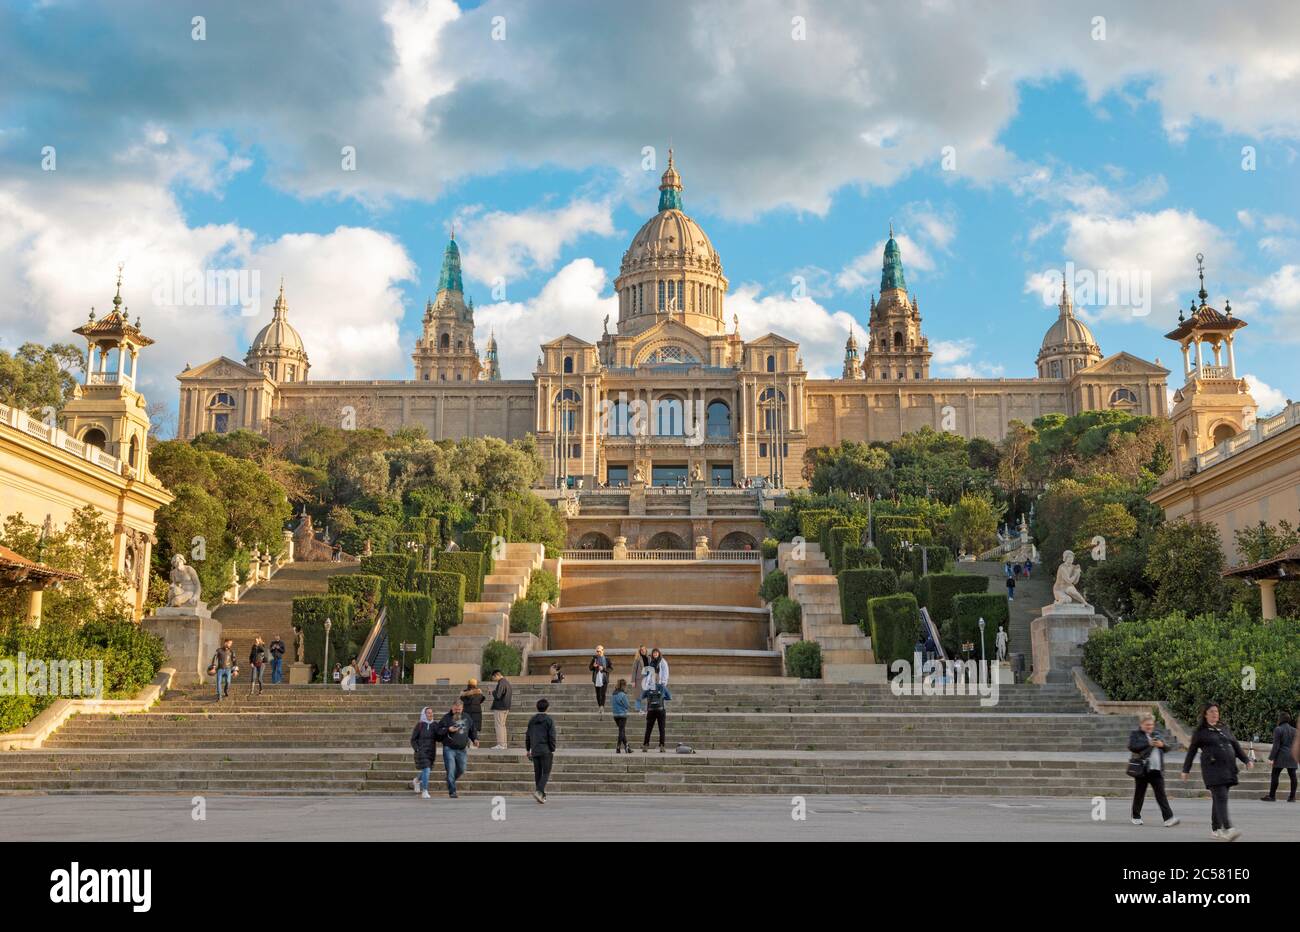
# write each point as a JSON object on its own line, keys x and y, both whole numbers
{"x": 1268, "y": 599}
{"x": 1232, "y": 362}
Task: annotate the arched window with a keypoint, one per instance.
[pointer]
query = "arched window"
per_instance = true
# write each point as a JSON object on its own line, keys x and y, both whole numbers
{"x": 568, "y": 364}
{"x": 898, "y": 340}
{"x": 94, "y": 437}
{"x": 568, "y": 402}
{"x": 617, "y": 420}
{"x": 444, "y": 342}
{"x": 671, "y": 354}
{"x": 771, "y": 363}
{"x": 222, "y": 399}
{"x": 133, "y": 451}
{"x": 718, "y": 419}
{"x": 767, "y": 409}
{"x": 1223, "y": 432}
{"x": 1123, "y": 396}
{"x": 668, "y": 417}
{"x": 1054, "y": 369}
{"x": 460, "y": 346}
{"x": 661, "y": 294}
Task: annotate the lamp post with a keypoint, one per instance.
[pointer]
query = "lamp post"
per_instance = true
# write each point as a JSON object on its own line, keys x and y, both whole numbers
{"x": 983, "y": 656}
{"x": 325, "y": 670}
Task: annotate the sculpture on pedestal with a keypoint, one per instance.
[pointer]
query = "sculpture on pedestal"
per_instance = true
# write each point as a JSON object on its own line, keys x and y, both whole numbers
{"x": 1001, "y": 642}
{"x": 697, "y": 474}
{"x": 1064, "y": 590}
{"x": 185, "y": 589}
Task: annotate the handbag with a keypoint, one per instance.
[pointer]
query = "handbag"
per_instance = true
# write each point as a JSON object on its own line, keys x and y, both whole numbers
{"x": 1136, "y": 767}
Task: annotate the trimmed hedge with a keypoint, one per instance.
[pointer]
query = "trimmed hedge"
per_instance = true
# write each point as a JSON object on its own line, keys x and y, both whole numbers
{"x": 968, "y": 608}
{"x": 395, "y": 568}
{"x": 768, "y": 547}
{"x": 499, "y": 521}
{"x": 402, "y": 538}
{"x": 803, "y": 660}
{"x": 412, "y": 619}
{"x": 811, "y": 522}
{"x": 543, "y": 587}
{"x": 937, "y": 590}
{"x": 892, "y": 552}
{"x": 839, "y": 537}
{"x": 895, "y": 627}
{"x": 366, "y": 591}
{"x": 500, "y": 655}
{"x": 857, "y": 587}
{"x": 309, "y": 614}
{"x": 525, "y": 615}
{"x": 937, "y": 559}
{"x": 787, "y": 615}
{"x": 448, "y": 593}
{"x": 470, "y": 565}
{"x": 774, "y": 584}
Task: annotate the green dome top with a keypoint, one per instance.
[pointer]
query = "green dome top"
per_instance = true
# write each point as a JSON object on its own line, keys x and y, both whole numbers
{"x": 450, "y": 279}
{"x": 891, "y": 273}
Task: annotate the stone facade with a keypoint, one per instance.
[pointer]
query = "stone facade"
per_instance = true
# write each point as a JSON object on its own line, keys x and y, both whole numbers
{"x": 674, "y": 391}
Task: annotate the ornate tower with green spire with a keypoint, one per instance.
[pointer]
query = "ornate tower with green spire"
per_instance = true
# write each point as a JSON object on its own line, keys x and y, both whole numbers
{"x": 491, "y": 361}
{"x": 852, "y": 369}
{"x": 897, "y": 349}
{"x": 445, "y": 350}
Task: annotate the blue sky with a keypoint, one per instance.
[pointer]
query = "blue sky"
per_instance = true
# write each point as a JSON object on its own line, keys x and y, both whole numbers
{"x": 1117, "y": 146}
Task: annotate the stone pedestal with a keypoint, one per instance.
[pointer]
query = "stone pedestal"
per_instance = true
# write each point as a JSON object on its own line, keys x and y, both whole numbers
{"x": 620, "y": 548}
{"x": 190, "y": 636}
{"x": 299, "y": 674}
{"x": 1057, "y": 638}
{"x": 701, "y": 547}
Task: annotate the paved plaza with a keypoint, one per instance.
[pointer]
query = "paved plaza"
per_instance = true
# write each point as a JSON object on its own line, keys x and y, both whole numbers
{"x": 649, "y": 818}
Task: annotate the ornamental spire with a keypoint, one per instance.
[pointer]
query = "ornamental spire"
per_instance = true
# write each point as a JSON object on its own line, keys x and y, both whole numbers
{"x": 670, "y": 187}
{"x": 450, "y": 278}
{"x": 1200, "y": 271}
{"x": 891, "y": 273}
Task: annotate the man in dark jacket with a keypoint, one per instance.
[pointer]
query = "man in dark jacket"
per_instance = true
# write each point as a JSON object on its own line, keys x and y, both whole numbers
{"x": 277, "y": 656}
{"x": 456, "y": 731}
{"x": 424, "y": 742}
{"x": 1282, "y": 757}
{"x": 500, "y": 708}
{"x": 539, "y": 743}
{"x": 224, "y": 666}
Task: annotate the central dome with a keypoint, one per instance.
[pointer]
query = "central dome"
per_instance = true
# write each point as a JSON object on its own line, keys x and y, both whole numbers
{"x": 671, "y": 269}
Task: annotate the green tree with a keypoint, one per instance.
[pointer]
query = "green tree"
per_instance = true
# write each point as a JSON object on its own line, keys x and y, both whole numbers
{"x": 973, "y": 522}
{"x": 1184, "y": 565}
{"x": 36, "y": 377}
{"x": 850, "y": 467}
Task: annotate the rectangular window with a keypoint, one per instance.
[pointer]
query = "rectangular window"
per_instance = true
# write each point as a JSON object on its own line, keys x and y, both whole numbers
{"x": 667, "y": 475}
{"x": 661, "y": 295}
{"x": 616, "y": 476}
{"x": 762, "y": 450}
{"x": 720, "y": 474}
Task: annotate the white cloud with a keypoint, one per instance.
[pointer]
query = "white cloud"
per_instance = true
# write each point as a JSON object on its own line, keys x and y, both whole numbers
{"x": 950, "y": 359}
{"x": 1269, "y": 399}
{"x": 511, "y": 245}
{"x": 820, "y": 331}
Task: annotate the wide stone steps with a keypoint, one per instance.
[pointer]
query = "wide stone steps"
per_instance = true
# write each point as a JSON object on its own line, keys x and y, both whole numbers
{"x": 267, "y": 609}
{"x": 488, "y": 619}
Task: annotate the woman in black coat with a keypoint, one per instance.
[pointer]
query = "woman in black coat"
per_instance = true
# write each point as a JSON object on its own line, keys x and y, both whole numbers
{"x": 424, "y": 742}
{"x": 1148, "y": 748}
{"x": 1282, "y": 755}
{"x": 1219, "y": 755}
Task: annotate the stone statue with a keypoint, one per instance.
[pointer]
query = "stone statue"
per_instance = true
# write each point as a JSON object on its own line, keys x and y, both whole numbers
{"x": 605, "y": 326}
{"x": 298, "y": 643}
{"x": 697, "y": 474}
{"x": 1064, "y": 590}
{"x": 185, "y": 588}
{"x": 637, "y": 475}
{"x": 1001, "y": 642}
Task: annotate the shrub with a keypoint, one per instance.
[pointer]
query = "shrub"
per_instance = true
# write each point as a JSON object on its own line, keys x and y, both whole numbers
{"x": 857, "y": 587}
{"x": 895, "y": 627}
{"x": 402, "y": 540}
{"x": 309, "y": 614}
{"x": 787, "y": 614}
{"x": 803, "y": 660}
{"x": 395, "y": 568}
{"x": 893, "y": 553}
{"x": 500, "y": 655}
{"x": 448, "y": 593}
{"x": 412, "y": 619}
{"x": 498, "y": 521}
{"x": 838, "y": 538}
{"x": 769, "y": 546}
{"x": 470, "y": 565}
{"x": 936, "y": 558}
{"x": 543, "y": 587}
{"x": 871, "y": 556}
{"x": 967, "y": 610}
{"x": 774, "y": 584}
{"x": 811, "y": 522}
{"x": 526, "y": 615}
{"x": 366, "y": 592}
{"x": 478, "y": 540}
{"x": 936, "y": 591}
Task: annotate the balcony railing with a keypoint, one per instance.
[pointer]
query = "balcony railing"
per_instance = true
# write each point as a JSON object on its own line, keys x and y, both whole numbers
{"x": 1212, "y": 372}
{"x": 106, "y": 378}
{"x": 1260, "y": 431}
{"x": 21, "y": 420}
{"x": 729, "y": 556}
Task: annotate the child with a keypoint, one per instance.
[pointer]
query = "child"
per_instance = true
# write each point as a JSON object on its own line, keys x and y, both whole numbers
{"x": 618, "y": 705}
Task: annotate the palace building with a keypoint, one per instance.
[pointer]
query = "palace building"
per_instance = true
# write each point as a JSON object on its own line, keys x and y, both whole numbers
{"x": 673, "y": 390}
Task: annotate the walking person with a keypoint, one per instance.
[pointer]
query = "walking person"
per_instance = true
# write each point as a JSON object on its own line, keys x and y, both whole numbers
{"x": 1282, "y": 756}
{"x": 1147, "y": 768}
{"x": 600, "y": 667}
{"x": 539, "y": 746}
{"x": 337, "y": 674}
{"x": 1011, "y": 588}
{"x": 660, "y": 664}
{"x": 638, "y": 671}
{"x": 473, "y": 698}
{"x": 224, "y": 667}
{"x": 277, "y": 658}
{"x": 257, "y": 658}
{"x": 501, "y": 693}
{"x": 424, "y": 742}
{"x": 456, "y": 731}
{"x": 1219, "y": 755}
{"x": 618, "y": 704}
{"x": 654, "y": 709}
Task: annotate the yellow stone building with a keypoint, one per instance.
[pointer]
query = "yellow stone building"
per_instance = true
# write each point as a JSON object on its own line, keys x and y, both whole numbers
{"x": 97, "y": 453}
{"x": 673, "y": 391}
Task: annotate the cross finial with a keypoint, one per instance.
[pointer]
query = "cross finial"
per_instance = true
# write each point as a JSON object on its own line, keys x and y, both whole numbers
{"x": 117, "y": 298}
{"x": 1200, "y": 271}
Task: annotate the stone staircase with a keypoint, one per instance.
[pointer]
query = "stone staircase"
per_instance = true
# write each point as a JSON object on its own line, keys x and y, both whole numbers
{"x": 846, "y": 650}
{"x": 1031, "y": 595}
{"x": 770, "y": 738}
{"x": 267, "y": 609}
{"x": 458, "y": 654}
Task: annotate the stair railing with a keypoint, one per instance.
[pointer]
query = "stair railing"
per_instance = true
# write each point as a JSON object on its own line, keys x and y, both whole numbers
{"x": 932, "y": 631}
{"x": 370, "y": 649}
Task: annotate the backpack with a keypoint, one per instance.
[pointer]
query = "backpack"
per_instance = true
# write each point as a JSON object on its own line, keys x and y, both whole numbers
{"x": 654, "y": 700}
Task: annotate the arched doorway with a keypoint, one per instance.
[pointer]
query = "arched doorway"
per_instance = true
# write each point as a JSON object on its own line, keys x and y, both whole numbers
{"x": 1223, "y": 432}
{"x": 738, "y": 540}
{"x": 94, "y": 437}
{"x": 666, "y": 540}
{"x": 594, "y": 540}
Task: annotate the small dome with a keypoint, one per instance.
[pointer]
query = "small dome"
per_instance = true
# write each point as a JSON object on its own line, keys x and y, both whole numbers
{"x": 670, "y": 234}
{"x": 279, "y": 334}
{"x": 1067, "y": 331}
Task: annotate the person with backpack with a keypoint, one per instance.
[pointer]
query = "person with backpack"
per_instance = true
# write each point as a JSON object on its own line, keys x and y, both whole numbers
{"x": 473, "y": 698}
{"x": 655, "y": 712}
{"x": 1282, "y": 757}
{"x": 501, "y": 693}
{"x": 618, "y": 705}
{"x": 1219, "y": 755}
{"x": 456, "y": 731}
{"x": 277, "y": 658}
{"x": 1146, "y": 766}
{"x": 424, "y": 742}
{"x": 257, "y": 658}
{"x": 224, "y": 667}
{"x": 539, "y": 746}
